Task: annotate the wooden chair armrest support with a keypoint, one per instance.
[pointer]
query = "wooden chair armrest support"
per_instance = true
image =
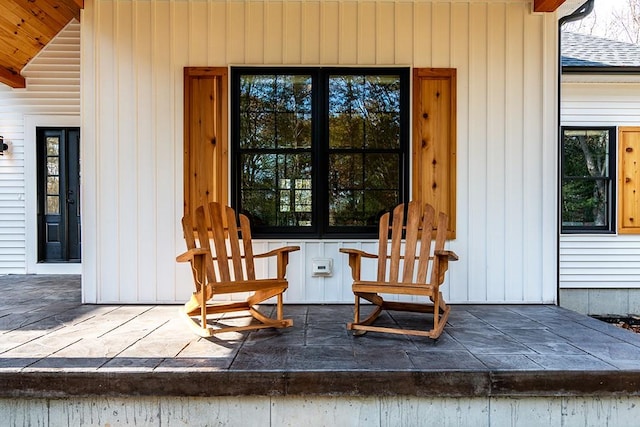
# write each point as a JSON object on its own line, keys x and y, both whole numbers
{"x": 282, "y": 257}
{"x": 277, "y": 251}
{"x": 355, "y": 258}
{"x": 358, "y": 252}
{"x": 191, "y": 254}
{"x": 450, "y": 255}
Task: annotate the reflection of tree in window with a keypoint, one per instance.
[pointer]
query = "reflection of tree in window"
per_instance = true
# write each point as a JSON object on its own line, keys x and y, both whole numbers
{"x": 586, "y": 178}
{"x": 320, "y": 151}
{"x": 275, "y": 137}
{"x": 364, "y": 137}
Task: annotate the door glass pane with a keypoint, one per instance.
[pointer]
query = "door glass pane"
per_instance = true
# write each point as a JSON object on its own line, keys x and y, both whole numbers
{"x": 52, "y": 166}
{"x": 53, "y": 205}
{"x": 53, "y": 145}
{"x": 53, "y": 187}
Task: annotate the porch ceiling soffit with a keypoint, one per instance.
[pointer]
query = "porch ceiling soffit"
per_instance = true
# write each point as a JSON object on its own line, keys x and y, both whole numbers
{"x": 27, "y": 26}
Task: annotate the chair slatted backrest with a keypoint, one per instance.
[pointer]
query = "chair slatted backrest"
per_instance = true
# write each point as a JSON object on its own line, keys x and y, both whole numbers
{"x": 410, "y": 239}
{"x": 227, "y": 243}
{"x": 441, "y": 238}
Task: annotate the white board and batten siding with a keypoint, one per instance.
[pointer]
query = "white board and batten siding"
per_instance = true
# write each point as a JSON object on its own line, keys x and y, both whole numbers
{"x": 51, "y": 98}
{"x": 605, "y": 261}
{"x": 133, "y": 57}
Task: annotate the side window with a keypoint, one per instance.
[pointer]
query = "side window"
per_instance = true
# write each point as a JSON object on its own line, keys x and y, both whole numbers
{"x": 587, "y": 179}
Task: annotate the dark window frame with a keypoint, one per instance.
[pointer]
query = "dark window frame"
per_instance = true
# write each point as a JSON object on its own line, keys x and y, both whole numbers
{"x": 320, "y": 148}
{"x": 609, "y": 228}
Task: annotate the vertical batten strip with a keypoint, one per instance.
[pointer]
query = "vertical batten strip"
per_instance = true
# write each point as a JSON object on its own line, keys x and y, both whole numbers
{"x": 254, "y": 32}
{"x": 330, "y": 17}
{"x": 496, "y": 161}
{"x": 153, "y": 122}
{"x": 146, "y": 154}
{"x": 108, "y": 157}
{"x": 366, "y": 33}
{"x": 125, "y": 197}
{"x": 460, "y": 279}
{"x": 549, "y": 206}
{"x": 91, "y": 292}
{"x": 477, "y": 239}
{"x": 423, "y": 36}
{"x": 514, "y": 198}
{"x": 403, "y": 37}
{"x": 348, "y": 30}
{"x": 172, "y": 186}
{"x": 533, "y": 107}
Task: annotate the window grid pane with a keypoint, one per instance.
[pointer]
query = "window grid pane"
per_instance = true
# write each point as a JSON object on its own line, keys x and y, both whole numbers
{"x": 586, "y": 186}
{"x": 364, "y": 148}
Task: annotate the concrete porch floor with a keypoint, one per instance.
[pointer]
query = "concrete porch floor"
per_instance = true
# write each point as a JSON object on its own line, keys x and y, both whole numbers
{"x": 52, "y": 346}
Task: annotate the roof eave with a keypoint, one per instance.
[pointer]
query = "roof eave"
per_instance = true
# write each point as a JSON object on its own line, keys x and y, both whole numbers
{"x": 600, "y": 70}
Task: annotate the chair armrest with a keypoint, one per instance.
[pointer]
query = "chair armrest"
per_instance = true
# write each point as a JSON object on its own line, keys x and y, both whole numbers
{"x": 357, "y": 252}
{"x": 282, "y": 255}
{"x": 284, "y": 249}
{"x": 191, "y": 254}
{"x": 450, "y": 255}
{"x": 355, "y": 260}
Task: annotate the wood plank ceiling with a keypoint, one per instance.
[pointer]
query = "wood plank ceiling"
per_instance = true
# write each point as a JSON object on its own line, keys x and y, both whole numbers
{"x": 26, "y": 26}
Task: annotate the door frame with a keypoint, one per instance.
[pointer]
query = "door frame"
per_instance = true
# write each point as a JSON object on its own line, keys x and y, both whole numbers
{"x": 31, "y": 122}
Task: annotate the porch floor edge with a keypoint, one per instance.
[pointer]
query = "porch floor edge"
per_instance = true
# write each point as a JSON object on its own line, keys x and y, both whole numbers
{"x": 319, "y": 383}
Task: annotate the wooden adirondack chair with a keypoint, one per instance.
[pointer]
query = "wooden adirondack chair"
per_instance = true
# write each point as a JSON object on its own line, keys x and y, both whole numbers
{"x": 397, "y": 273}
{"x": 225, "y": 268}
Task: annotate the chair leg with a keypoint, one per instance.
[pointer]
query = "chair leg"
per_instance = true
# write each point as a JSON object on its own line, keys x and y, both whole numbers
{"x": 356, "y": 310}
{"x": 436, "y": 310}
{"x": 356, "y": 318}
{"x": 280, "y": 312}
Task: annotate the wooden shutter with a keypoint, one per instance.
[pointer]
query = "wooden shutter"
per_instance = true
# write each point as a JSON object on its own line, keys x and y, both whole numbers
{"x": 629, "y": 180}
{"x": 434, "y": 141}
{"x": 206, "y": 146}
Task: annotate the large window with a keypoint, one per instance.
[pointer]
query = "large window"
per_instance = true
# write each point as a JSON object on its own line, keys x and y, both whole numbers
{"x": 588, "y": 171}
{"x": 319, "y": 151}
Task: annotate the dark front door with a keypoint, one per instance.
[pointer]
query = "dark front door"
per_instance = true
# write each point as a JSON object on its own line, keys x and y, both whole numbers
{"x": 58, "y": 194}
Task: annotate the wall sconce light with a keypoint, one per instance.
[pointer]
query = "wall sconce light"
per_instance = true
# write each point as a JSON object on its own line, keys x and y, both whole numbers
{"x": 3, "y": 147}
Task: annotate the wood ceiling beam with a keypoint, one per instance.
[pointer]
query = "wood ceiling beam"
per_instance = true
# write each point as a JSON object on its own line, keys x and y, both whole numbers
{"x": 546, "y": 5}
{"x": 12, "y": 79}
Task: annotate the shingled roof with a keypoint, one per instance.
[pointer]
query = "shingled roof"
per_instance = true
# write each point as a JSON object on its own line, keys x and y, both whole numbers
{"x": 587, "y": 51}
